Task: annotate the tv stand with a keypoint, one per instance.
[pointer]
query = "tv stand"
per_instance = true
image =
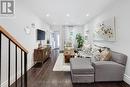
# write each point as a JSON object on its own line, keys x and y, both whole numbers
{"x": 42, "y": 54}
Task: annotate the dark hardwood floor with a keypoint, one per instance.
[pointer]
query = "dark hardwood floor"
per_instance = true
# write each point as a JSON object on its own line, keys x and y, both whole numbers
{"x": 41, "y": 75}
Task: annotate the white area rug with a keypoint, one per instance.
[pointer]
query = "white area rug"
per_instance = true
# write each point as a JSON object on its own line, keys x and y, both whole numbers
{"x": 60, "y": 64}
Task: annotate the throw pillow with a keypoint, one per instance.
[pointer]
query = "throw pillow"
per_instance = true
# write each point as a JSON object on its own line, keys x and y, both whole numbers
{"x": 87, "y": 49}
{"x": 105, "y": 55}
{"x": 97, "y": 55}
{"x": 95, "y": 49}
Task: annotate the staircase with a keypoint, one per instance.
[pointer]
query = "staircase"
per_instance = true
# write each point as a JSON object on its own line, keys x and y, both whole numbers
{"x": 23, "y": 54}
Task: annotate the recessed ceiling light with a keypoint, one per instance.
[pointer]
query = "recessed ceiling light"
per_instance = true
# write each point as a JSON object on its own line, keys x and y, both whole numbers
{"x": 47, "y": 15}
{"x": 87, "y": 15}
{"x": 67, "y": 15}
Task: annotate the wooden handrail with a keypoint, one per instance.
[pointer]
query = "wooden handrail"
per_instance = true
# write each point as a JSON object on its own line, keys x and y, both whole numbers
{"x": 12, "y": 38}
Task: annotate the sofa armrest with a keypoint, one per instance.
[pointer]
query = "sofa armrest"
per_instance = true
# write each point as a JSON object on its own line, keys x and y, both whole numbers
{"x": 119, "y": 58}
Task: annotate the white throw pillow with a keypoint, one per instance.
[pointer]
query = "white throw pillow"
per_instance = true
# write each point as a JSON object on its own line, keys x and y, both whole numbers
{"x": 97, "y": 55}
{"x": 87, "y": 48}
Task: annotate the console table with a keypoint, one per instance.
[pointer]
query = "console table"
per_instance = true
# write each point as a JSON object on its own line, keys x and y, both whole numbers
{"x": 40, "y": 55}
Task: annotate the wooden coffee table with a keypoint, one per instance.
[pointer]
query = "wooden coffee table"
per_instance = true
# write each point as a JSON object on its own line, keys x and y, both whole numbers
{"x": 68, "y": 54}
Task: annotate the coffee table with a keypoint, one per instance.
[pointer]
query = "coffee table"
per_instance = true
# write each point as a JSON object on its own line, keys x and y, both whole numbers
{"x": 68, "y": 54}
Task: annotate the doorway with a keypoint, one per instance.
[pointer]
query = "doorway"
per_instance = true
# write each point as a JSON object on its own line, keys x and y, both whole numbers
{"x": 55, "y": 40}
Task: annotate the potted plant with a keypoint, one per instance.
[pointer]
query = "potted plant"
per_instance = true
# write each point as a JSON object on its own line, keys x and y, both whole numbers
{"x": 80, "y": 40}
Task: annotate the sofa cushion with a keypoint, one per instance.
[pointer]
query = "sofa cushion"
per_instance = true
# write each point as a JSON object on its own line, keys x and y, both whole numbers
{"x": 81, "y": 66}
{"x": 106, "y": 55}
{"x": 108, "y": 66}
{"x": 105, "y": 64}
{"x": 119, "y": 58}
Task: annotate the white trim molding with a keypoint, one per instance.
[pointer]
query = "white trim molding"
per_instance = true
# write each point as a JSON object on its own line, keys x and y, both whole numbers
{"x": 127, "y": 79}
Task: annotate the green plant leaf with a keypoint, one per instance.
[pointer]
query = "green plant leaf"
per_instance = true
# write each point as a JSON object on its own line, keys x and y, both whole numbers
{"x": 80, "y": 40}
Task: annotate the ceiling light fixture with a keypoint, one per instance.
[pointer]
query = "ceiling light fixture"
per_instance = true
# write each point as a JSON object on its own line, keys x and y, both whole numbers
{"x": 29, "y": 28}
{"x": 47, "y": 15}
{"x": 87, "y": 15}
{"x": 67, "y": 15}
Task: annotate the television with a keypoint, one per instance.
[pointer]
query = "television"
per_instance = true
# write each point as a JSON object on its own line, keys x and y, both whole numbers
{"x": 40, "y": 34}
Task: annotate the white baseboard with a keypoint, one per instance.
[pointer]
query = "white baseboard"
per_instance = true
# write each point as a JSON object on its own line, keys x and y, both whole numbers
{"x": 30, "y": 66}
{"x": 127, "y": 79}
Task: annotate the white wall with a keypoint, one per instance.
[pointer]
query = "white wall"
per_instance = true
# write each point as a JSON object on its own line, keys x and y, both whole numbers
{"x": 121, "y": 11}
{"x": 15, "y": 25}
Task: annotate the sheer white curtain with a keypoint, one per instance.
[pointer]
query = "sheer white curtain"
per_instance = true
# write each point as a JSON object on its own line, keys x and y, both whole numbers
{"x": 70, "y": 32}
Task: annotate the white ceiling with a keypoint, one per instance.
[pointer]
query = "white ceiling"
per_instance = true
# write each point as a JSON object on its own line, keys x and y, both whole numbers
{"x": 76, "y": 9}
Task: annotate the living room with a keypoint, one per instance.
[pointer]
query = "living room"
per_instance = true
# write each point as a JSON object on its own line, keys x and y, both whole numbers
{"x": 99, "y": 24}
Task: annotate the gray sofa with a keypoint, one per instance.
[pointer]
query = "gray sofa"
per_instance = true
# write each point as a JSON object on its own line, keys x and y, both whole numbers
{"x": 84, "y": 70}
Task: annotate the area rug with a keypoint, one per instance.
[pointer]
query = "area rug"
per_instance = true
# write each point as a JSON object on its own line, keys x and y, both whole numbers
{"x": 60, "y": 64}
